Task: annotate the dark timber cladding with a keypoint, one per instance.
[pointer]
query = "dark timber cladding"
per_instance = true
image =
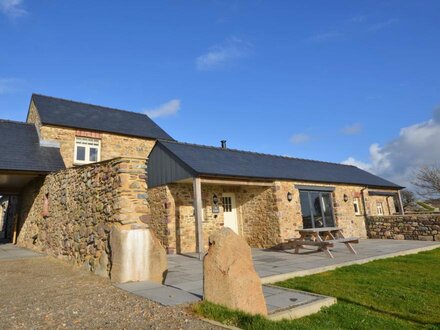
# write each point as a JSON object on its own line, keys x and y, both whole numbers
{"x": 164, "y": 168}
{"x": 178, "y": 161}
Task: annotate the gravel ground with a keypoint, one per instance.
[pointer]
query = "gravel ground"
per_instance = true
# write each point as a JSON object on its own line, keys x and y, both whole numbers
{"x": 47, "y": 293}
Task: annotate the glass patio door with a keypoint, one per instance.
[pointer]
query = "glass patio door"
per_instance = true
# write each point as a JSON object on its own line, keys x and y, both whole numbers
{"x": 316, "y": 208}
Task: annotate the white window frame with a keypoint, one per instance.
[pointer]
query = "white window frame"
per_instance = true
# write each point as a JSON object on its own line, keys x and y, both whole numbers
{"x": 358, "y": 207}
{"x": 87, "y": 143}
{"x": 379, "y": 208}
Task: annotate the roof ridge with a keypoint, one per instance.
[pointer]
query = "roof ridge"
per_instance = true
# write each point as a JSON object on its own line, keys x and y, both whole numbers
{"x": 255, "y": 153}
{"x": 91, "y": 104}
{"x": 16, "y": 122}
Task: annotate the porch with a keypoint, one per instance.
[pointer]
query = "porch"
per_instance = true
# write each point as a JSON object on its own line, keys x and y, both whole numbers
{"x": 184, "y": 282}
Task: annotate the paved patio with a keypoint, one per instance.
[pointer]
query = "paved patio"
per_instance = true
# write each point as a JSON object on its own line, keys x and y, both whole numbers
{"x": 184, "y": 282}
{"x": 13, "y": 252}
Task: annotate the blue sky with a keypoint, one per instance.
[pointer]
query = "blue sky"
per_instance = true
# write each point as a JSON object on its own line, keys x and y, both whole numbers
{"x": 328, "y": 80}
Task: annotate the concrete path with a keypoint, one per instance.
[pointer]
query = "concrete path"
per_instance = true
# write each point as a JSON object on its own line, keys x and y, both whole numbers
{"x": 13, "y": 252}
{"x": 184, "y": 282}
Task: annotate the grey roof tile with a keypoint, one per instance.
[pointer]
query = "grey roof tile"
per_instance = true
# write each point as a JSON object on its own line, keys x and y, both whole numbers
{"x": 212, "y": 161}
{"x": 20, "y": 149}
{"x": 61, "y": 112}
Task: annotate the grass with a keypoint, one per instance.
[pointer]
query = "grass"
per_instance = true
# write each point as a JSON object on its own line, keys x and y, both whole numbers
{"x": 396, "y": 293}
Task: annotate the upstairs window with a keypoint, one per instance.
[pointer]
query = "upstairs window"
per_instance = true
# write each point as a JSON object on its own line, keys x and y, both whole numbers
{"x": 357, "y": 209}
{"x": 87, "y": 150}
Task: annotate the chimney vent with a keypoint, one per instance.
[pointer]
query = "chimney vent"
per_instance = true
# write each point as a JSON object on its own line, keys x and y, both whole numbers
{"x": 223, "y": 144}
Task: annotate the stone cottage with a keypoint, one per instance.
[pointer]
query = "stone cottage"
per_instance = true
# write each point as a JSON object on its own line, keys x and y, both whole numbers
{"x": 82, "y": 173}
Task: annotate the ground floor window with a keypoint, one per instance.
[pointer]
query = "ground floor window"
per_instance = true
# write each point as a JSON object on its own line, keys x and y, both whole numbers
{"x": 316, "y": 208}
{"x": 357, "y": 209}
{"x": 379, "y": 208}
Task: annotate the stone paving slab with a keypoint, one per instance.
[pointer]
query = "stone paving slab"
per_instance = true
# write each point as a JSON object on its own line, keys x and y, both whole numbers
{"x": 184, "y": 282}
{"x": 12, "y": 252}
{"x": 277, "y": 299}
{"x": 163, "y": 294}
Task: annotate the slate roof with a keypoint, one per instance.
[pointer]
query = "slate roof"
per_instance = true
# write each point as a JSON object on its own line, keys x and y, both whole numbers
{"x": 20, "y": 149}
{"x": 61, "y": 112}
{"x": 212, "y": 161}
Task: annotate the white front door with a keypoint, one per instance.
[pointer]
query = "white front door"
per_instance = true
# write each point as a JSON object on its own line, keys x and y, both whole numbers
{"x": 230, "y": 211}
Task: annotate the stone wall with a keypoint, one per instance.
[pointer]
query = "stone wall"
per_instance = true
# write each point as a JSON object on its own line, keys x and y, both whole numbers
{"x": 423, "y": 227}
{"x": 112, "y": 145}
{"x": 3, "y": 208}
{"x": 33, "y": 116}
{"x": 259, "y": 212}
{"x": 70, "y": 214}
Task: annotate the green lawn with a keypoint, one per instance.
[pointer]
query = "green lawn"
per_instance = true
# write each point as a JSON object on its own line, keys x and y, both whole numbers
{"x": 396, "y": 293}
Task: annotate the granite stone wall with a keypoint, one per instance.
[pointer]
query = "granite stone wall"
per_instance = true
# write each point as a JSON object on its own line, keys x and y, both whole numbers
{"x": 423, "y": 227}
{"x": 70, "y": 214}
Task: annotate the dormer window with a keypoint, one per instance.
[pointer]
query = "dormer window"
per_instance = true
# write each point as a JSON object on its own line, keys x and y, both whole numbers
{"x": 87, "y": 150}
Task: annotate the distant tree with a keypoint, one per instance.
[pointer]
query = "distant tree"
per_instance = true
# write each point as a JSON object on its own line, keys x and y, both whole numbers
{"x": 408, "y": 197}
{"x": 427, "y": 179}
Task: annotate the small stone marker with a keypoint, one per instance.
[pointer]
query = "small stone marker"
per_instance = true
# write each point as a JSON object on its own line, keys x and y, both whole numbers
{"x": 136, "y": 255}
{"x": 229, "y": 277}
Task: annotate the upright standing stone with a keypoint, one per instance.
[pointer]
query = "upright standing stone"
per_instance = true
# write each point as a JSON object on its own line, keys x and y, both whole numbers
{"x": 229, "y": 277}
{"x": 136, "y": 255}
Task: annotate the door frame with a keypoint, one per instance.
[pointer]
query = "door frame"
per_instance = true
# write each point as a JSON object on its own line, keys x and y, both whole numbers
{"x": 235, "y": 211}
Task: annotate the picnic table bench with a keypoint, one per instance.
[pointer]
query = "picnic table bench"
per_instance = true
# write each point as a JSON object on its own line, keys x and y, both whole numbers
{"x": 324, "y": 238}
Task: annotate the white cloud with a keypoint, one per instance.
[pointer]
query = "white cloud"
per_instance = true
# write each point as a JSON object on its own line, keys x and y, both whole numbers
{"x": 12, "y": 8}
{"x": 9, "y": 85}
{"x": 352, "y": 129}
{"x": 167, "y": 109}
{"x": 416, "y": 146}
{"x": 327, "y": 36}
{"x": 219, "y": 55}
{"x": 300, "y": 138}
{"x": 383, "y": 25}
{"x": 357, "y": 19}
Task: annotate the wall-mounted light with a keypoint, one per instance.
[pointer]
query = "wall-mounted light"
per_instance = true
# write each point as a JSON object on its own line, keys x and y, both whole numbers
{"x": 289, "y": 196}
{"x": 345, "y": 198}
{"x": 215, "y": 208}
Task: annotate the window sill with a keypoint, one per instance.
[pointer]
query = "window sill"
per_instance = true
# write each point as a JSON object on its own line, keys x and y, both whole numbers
{"x": 81, "y": 164}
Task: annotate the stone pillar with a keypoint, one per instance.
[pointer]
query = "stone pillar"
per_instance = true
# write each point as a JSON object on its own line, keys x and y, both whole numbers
{"x": 229, "y": 277}
{"x": 136, "y": 255}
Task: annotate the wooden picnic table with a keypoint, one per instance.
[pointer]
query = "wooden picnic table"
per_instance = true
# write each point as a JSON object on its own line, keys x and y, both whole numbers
{"x": 324, "y": 238}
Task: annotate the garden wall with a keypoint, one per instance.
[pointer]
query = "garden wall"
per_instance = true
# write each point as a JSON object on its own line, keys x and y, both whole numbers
{"x": 423, "y": 227}
{"x": 70, "y": 214}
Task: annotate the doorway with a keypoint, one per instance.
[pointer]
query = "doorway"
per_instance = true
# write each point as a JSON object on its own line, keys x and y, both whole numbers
{"x": 230, "y": 211}
{"x": 8, "y": 218}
